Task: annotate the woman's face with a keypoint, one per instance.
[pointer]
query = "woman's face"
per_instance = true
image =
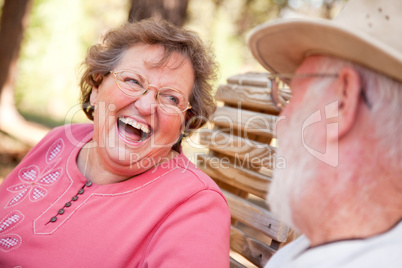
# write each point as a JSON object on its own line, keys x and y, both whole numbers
{"x": 132, "y": 133}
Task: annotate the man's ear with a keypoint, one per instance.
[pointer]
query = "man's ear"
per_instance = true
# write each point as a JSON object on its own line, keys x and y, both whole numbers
{"x": 348, "y": 95}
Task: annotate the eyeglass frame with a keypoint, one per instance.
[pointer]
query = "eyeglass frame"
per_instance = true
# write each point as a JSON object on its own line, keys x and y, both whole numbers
{"x": 147, "y": 89}
{"x": 275, "y": 79}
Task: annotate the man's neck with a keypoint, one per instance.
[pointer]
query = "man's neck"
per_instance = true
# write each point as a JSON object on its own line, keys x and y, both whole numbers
{"x": 345, "y": 230}
{"x": 356, "y": 219}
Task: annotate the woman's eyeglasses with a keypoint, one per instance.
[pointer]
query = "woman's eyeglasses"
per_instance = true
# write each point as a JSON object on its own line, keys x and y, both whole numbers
{"x": 170, "y": 100}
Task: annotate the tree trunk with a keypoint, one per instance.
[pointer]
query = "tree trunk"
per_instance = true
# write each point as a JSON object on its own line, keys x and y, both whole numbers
{"x": 13, "y": 22}
{"x": 174, "y": 11}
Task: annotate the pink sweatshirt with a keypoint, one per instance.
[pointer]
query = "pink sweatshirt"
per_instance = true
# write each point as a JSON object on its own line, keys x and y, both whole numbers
{"x": 173, "y": 215}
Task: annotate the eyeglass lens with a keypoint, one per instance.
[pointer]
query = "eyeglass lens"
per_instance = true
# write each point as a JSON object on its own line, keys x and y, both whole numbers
{"x": 134, "y": 84}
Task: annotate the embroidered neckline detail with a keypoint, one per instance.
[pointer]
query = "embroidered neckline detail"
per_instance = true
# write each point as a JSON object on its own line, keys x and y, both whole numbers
{"x": 69, "y": 203}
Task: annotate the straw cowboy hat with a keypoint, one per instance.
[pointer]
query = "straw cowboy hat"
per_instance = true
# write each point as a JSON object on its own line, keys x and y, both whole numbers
{"x": 367, "y": 32}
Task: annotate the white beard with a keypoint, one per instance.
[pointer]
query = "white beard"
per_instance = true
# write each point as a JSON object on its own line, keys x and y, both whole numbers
{"x": 292, "y": 179}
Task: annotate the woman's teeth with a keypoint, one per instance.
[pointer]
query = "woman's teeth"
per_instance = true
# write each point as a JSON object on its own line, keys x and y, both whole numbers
{"x": 133, "y": 130}
{"x": 135, "y": 124}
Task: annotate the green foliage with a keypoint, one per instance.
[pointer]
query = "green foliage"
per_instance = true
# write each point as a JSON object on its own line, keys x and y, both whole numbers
{"x": 1, "y": 6}
{"x": 225, "y": 25}
{"x": 55, "y": 44}
{"x": 60, "y": 32}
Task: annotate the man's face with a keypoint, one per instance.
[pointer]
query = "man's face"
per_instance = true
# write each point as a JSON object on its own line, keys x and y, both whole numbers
{"x": 292, "y": 184}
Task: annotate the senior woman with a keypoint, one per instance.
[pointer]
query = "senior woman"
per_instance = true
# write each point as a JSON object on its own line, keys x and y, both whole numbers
{"x": 119, "y": 192}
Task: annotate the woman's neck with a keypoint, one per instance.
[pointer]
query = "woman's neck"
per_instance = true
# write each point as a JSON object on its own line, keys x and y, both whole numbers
{"x": 90, "y": 166}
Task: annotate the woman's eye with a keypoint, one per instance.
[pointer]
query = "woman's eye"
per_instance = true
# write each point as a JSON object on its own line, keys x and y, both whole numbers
{"x": 170, "y": 99}
{"x": 173, "y": 99}
{"x": 132, "y": 82}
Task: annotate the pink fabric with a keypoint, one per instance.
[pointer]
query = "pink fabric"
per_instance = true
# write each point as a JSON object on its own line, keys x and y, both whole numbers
{"x": 171, "y": 216}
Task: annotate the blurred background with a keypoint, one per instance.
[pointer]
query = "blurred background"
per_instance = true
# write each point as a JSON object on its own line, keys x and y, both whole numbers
{"x": 43, "y": 42}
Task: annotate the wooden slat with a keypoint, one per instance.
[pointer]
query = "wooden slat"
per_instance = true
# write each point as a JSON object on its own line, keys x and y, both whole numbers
{"x": 249, "y": 122}
{"x": 253, "y": 250}
{"x": 255, "y": 153}
{"x": 241, "y": 161}
{"x": 251, "y": 79}
{"x": 246, "y": 97}
{"x": 256, "y": 217}
{"x": 244, "y": 179}
{"x": 236, "y": 264}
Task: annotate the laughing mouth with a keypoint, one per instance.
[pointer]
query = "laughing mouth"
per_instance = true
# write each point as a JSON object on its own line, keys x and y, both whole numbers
{"x": 133, "y": 130}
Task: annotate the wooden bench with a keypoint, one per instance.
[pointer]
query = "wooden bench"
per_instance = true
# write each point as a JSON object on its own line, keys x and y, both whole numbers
{"x": 240, "y": 159}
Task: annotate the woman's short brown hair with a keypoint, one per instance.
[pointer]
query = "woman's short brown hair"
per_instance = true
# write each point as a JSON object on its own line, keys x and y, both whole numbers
{"x": 104, "y": 57}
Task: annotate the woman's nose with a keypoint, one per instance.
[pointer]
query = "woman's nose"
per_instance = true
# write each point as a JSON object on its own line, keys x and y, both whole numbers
{"x": 147, "y": 102}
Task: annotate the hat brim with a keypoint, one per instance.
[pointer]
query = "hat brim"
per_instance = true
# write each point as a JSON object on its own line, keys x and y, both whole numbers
{"x": 282, "y": 45}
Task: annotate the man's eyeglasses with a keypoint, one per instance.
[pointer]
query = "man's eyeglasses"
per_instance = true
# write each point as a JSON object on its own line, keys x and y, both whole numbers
{"x": 132, "y": 84}
{"x": 280, "y": 91}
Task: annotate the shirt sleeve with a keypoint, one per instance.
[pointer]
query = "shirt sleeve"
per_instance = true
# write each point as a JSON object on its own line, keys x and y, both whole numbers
{"x": 195, "y": 234}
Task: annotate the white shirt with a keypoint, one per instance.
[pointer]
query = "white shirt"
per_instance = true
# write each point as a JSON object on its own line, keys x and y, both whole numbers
{"x": 383, "y": 250}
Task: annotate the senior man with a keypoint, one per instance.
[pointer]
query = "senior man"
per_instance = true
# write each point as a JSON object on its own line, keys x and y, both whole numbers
{"x": 340, "y": 134}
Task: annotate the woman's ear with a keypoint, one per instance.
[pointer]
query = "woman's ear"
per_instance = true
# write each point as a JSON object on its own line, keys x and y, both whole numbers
{"x": 94, "y": 95}
{"x": 97, "y": 79}
{"x": 348, "y": 94}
